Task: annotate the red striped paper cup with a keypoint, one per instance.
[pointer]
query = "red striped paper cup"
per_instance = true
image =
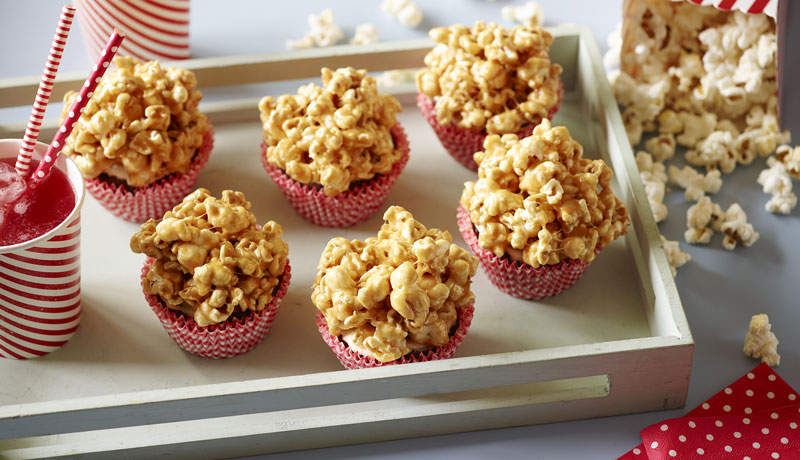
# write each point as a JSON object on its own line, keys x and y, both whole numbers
{"x": 522, "y": 280}
{"x": 154, "y": 29}
{"x": 462, "y": 143}
{"x": 40, "y": 279}
{"x": 351, "y": 359}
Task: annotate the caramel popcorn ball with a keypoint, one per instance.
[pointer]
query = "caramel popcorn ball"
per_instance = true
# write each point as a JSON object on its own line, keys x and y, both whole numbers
{"x": 489, "y": 78}
{"x": 211, "y": 260}
{"x": 397, "y": 292}
{"x": 332, "y": 135}
{"x": 140, "y": 125}
{"x": 537, "y": 199}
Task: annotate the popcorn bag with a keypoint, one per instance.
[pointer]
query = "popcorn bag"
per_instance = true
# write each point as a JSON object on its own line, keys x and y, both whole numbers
{"x": 137, "y": 204}
{"x": 154, "y": 30}
{"x": 353, "y": 360}
{"x": 462, "y": 143}
{"x": 522, "y": 280}
{"x": 345, "y": 209}
{"x": 227, "y": 339}
{"x": 40, "y": 282}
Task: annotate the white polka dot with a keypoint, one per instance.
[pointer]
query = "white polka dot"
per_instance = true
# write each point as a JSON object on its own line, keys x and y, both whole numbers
{"x": 765, "y": 430}
{"x": 48, "y": 158}
{"x": 692, "y": 425}
{"x": 78, "y": 98}
{"x": 718, "y": 423}
{"x": 784, "y": 440}
{"x": 105, "y": 64}
{"x": 63, "y": 129}
{"x": 728, "y": 449}
{"x": 749, "y": 392}
{"x": 40, "y": 173}
{"x": 746, "y": 421}
{"x": 756, "y": 445}
{"x": 90, "y": 94}
{"x": 71, "y": 114}
{"x": 771, "y": 377}
{"x": 792, "y": 396}
{"x": 745, "y": 458}
{"x": 748, "y": 411}
{"x": 775, "y": 454}
{"x": 672, "y": 453}
{"x": 710, "y": 437}
{"x": 81, "y": 110}
{"x": 97, "y": 80}
{"x": 664, "y": 427}
{"x": 728, "y": 391}
{"x": 654, "y": 445}
{"x": 751, "y": 376}
{"x": 114, "y": 49}
{"x": 726, "y": 408}
{"x": 770, "y": 395}
{"x": 636, "y": 451}
{"x": 73, "y": 124}
{"x": 700, "y": 451}
{"x": 793, "y": 425}
{"x": 706, "y": 406}
{"x": 737, "y": 435}
{"x": 773, "y": 416}
{"x": 86, "y": 83}
{"x": 682, "y": 438}
{"x": 56, "y": 144}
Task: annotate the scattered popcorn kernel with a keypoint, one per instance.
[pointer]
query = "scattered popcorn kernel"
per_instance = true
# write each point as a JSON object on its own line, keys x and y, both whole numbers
{"x": 776, "y": 181}
{"x": 365, "y": 34}
{"x": 736, "y": 228}
{"x": 761, "y": 342}
{"x": 790, "y": 157}
{"x": 662, "y": 147}
{"x": 703, "y": 219}
{"x": 675, "y": 256}
{"x": 392, "y": 78}
{"x": 529, "y": 14}
{"x": 696, "y": 184}
{"x": 322, "y": 31}
{"x": 405, "y": 11}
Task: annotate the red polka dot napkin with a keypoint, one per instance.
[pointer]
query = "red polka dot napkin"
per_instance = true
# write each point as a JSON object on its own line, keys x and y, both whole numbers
{"x": 756, "y": 417}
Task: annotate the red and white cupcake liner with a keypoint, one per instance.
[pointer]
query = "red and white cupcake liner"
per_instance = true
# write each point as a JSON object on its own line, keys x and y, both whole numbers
{"x": 353, "y": 360}
{"x": 347, "y": 208}
{"x": 462, "y": 143}
{"x": 218, "y": 341}
{"x": 517, "y": 279}
{"x": 151, "y": 201}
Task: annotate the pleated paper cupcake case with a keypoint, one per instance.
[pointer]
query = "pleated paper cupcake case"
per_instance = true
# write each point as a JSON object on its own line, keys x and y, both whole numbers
{"x": 347, "y": 208}
{"x": 225, "y": 340}
{"x": 353, "y": 360}
{"x": 522, "y": 280}
{"x": 462, "y": 143}
{"x": 151, "y": 201}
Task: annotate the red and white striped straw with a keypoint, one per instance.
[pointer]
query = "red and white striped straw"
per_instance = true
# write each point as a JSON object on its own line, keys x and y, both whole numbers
{"x": 77, "y": 107}
{"x": 45, "y": 88}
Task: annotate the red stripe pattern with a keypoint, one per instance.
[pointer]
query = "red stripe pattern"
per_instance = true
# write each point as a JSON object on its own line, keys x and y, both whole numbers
{"x": 768, "y": 7}
{"x": 40, "y": 295}
{"x": 154, "y": 29}
{"x": 43, "y": 93}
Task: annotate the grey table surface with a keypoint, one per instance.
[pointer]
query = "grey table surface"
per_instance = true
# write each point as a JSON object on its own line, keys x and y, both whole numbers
{"x": 719, "y": 289}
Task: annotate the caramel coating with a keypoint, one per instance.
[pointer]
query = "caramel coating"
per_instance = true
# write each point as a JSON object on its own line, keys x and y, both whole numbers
{"x": 395, "y": 291}
{"x": 332, "y": 135}
{"x": 140, "y": 125}
{"x": 488, "y": 78}
{"x": 211, "y": 259}
{"x": 540, "y": 197}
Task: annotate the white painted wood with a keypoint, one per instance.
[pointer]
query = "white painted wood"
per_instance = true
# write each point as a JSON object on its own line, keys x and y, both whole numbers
{"x": 623, "y": 320}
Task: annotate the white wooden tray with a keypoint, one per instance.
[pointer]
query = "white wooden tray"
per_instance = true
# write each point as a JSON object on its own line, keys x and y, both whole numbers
{"x": 617, "y": 342}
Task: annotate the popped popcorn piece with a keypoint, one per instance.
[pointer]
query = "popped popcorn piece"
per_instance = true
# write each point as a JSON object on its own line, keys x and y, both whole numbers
{"x": 790, "y": 157}
{"x": 614, "y": 41}
{"x": 399, "y": 291}
{"x": 405, "y": 11}
{"x": 488, "y": 78}
{"x": 737, "y": 229}
{"x": 662, "y": 147}
{"x": 392, "y": 78}
{"x": 761, "y": 342}
{"x": 211, "y": 260}
{"x": 322, "y": 31}
{"x": 334, "y": 134}
{"x": 675, "y": 256}
{"x": 540, "y": 197}
{"x": 696, "y": 184}
{"x": 365, "y": 34}
{"x": 696, "y": 128}
{"x": 140, "y": 125}
{"x": 649, "y": 169}
{"x": 703, "y": 219}
{"x": 529, "y": 14}
{"x": 717, "y": 151}
{"x": 654, "y": 179}
{"x": 776, "y": 181}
